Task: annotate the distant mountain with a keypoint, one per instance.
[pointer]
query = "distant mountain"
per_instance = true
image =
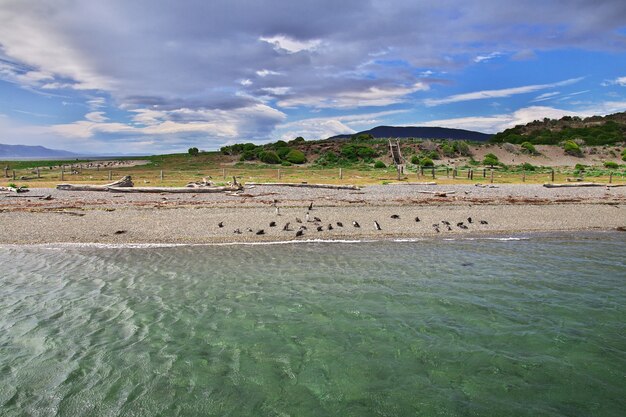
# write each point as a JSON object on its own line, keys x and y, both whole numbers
{"x": 421, "y": 132}
{"x": 23, "y": 151}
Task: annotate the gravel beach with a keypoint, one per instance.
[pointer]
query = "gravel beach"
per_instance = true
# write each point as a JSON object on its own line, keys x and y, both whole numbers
{"x": 54, "y": 216}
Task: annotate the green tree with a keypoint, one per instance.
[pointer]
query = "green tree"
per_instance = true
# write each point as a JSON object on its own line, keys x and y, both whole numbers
{"x": 193, "y": 151}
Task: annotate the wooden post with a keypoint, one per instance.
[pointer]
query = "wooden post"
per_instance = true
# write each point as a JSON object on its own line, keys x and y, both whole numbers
{"x": 422, "y": 171}
{"x": 110, "y": 175}
{"x": 433, "y": 172}
{"x": 552, "y": 175}
{"x": 38, "y": 173}
{"x": 161, "y": 174}
{"x": 6, "y": 172}
{"x": 340, "y": 173}
{"x": 224, "y": 173}
{"x": 471, "y": 174}
{"x": 61, "y": 173}
{"x": 13, "y": 175}
{"x": 278, "y": 173}
{"x": 454, "y": 173}
{"x": 485, "y": 172}
{"x": 524, "y": 176}
{"x": 447, "y": 172}
{"x": 468, "y": 173}
{"x": 491, "y": 175}
{"x": 611, "y": 177}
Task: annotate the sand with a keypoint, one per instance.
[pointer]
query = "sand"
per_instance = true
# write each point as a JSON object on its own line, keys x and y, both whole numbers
{"x": 96, "y": 217}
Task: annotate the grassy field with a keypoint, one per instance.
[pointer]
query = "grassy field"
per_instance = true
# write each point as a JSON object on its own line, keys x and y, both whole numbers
{"x": 179, "y": 169}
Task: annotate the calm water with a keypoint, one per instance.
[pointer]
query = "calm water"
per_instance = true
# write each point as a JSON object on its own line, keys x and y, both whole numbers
{"x": 433, "y": 328}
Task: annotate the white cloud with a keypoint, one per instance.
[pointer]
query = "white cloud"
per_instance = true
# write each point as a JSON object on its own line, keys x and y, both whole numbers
{"x": 285, "y": 43}
{"x": 545, "y": 96}
{"x": 96, "y": 117}
{"x": 621, "y": 81}
{"x": 505, "y": 92}
{"x": 488, "y": 57}
{"x": 265, "y": 73}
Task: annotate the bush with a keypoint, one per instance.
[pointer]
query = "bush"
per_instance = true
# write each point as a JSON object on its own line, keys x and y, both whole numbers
{"x": 624, "y": 155}
{"x": 295, "y": 157}
{"x": 611, "y": 165}
{"x": 282, "y": 152}
{"x": 193, "y": 151}
{"x": 490, "y": 159}
{"x": 529, "y": 148}
{"x": 432, "y": 154}
{"x": 415, "y": 160}
{"x": 353, "y": 152}
{"x": 448, "y": 150}
{"x": 427, "y": 162}
{"x": 461, "y": 147}
{"x": 248, "y": 147}
{"x": 286, "y": 163}
{"x": 280, "y": 144}
{"x": 297, "y": 141}
{"x": 380, "y": 164}
{"x": 327, "y": 158}
{"x": 572, "y": 148}
{"x": 528, "y": 167}
{"x": 269, "y": 157}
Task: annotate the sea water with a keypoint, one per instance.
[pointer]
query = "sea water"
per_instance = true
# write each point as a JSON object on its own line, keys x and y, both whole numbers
{"x": 524, "y": 326}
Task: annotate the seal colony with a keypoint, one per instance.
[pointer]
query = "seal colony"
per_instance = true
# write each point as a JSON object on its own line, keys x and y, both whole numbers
{"x": 277, "y": 213}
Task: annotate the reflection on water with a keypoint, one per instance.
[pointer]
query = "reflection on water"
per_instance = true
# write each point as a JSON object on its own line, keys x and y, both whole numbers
{"x": 455, "y": 328}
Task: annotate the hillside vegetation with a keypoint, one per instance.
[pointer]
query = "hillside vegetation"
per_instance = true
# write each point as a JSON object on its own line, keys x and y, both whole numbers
{"x": 591, "y": 131}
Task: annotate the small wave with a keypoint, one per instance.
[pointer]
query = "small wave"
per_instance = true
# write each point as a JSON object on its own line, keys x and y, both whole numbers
{"x": 502, "y": 239}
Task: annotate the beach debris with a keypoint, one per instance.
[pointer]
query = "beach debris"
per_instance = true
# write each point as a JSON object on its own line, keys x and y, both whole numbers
{"x": 204, "y": 183}
{"x": 577, "y": 184}
{"x": 123, "y": 182}
{"x": 126, "y": 185}
{"x": 436, "y": 193}
{"x": 290, "y": 184}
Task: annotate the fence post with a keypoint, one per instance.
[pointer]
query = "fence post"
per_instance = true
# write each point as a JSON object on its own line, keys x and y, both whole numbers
{"x": 61, "y": 173}
{"x": 491, "y": 175}
{"x": 454, "y": 173}
{"x": 160, "y": 175}
{"x": 224, "y": 173}
{"x": 278, "y": 173}
{"x": 13, "y": 175}
{"x": 110, "y": 175}
{"x": 421, "y": 171}
{"x": 340, "y": 173}
{"x": 524, "y": 176}
{"x": 611, "y": 177}
{"x": 38, "y": 173}
{"x": 485, "y": 172}
{"x": 6, "y": 172}
{"x": 433, "y": 172}
{"x": 471, "y": 174}
{"x": 552, "y": 175}
{"x": 447, "y": 171}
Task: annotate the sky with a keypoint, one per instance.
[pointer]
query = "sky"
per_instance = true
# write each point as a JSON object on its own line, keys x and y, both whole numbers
{"x": 155, "y": 76}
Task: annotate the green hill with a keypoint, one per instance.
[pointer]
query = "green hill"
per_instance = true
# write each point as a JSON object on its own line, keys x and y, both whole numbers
{"x": 593, "y": 131}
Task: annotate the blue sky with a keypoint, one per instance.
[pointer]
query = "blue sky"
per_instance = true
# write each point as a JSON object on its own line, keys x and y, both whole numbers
{"x": 153, "y": 76}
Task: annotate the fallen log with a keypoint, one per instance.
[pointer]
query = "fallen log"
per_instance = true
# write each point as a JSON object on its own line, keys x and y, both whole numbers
{"x": 574, "y": 184}
{"x": 304, "y": 185}
{"x": 437, "y": 193}
{"x": 123, "y": 182}
{"x": 413, "y": 183}
{"x": 189, "y": 190}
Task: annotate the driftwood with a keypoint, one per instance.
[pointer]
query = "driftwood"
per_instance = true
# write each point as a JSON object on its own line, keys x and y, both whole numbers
{"x": 413, "y": 183}
{"x": 189, "y": 190}
{"x": 437, "y": 193}
{"x": 123, "y": 182}
{"x": 574, "y": 184}
{"x": 15, "y": 190}
{"x": 305, "y": 185}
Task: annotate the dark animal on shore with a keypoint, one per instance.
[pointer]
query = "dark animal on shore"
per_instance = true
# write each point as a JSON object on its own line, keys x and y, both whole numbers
{"x": 307, "y": 217}
{"x": 377, "y": 226}
{"x": 483, "y": 222}
{"x": 469, "y": 220}
{"x": 260, "y": 232}
{"x": 302, "y": 228}
{"x": 447, "y": 223}
{"x": 220, "y": 224}
{"x": 278, "y": 211}
{"x": 299, "y": 233}
{"x": 436, "y": 227}
{"x": 339, "y": 224}
{"x": 272, "y": 224}
{"x": 459, "y": 224}
{"x": 395, "y": 216}
{"x": 449, "y": 228}
{"x": 298, "y": 220}
{"x": 237, "y": 231}
{"x": 119, "y": 232}
{"x": 356, "y": 224}
{"x": 317, "y": 219}
{"x": 311, "y": 206}
{"x": 417, "y": 219}
{"x": 249, "y": 230}
{"x": 330, "y": 227}
{"x": 320, "y": 228}
{"x": 286, "y": 227}
{"x": 462, "y": 226}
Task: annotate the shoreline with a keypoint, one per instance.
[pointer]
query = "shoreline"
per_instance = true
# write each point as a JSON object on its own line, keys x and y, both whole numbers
{"x": 167, "y": 219}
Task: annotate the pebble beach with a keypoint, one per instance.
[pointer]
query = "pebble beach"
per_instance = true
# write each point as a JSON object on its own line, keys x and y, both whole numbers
{"x": 261, "y": 213}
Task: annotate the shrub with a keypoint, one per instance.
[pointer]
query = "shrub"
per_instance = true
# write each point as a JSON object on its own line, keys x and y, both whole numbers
{"x": 286, "y": 163}
{"x": 415, "y": 160}
{"x": 353, "y": 152}
{"x": 296, "y": 141}
{"x": 427, "y": 162}
{"x": 462, "y": 148}
{"x": 247, "y": 156}
{"x": 428, "y": 145}
{"x": 490, "y": 159}
{"x": 611, "y": 165}
{"x": 432, "y": 154}
{"x": 282, "y": 152}
{"x": 529, "y": 148}
{"x": 380, "y": 164}
{"x": 280, "y": 144}
{"x": 248, "y": 147}
{"x": 528, "y": 167}
{"x": 572, "y": 148}
{"x": 327, "y": 158}
{"x": 624, "y": 155}
{"x": 295, "y": 157}
{"x": 193, "y": 151}
{"x": 448, "y": 150}
{"x": 269, "y": 157}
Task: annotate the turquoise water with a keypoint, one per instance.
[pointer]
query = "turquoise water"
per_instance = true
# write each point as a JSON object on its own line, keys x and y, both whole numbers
{"x": 429, "y": 328}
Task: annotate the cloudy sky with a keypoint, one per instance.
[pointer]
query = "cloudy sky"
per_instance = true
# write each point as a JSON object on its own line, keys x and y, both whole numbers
{"x": 154, "y": 76}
